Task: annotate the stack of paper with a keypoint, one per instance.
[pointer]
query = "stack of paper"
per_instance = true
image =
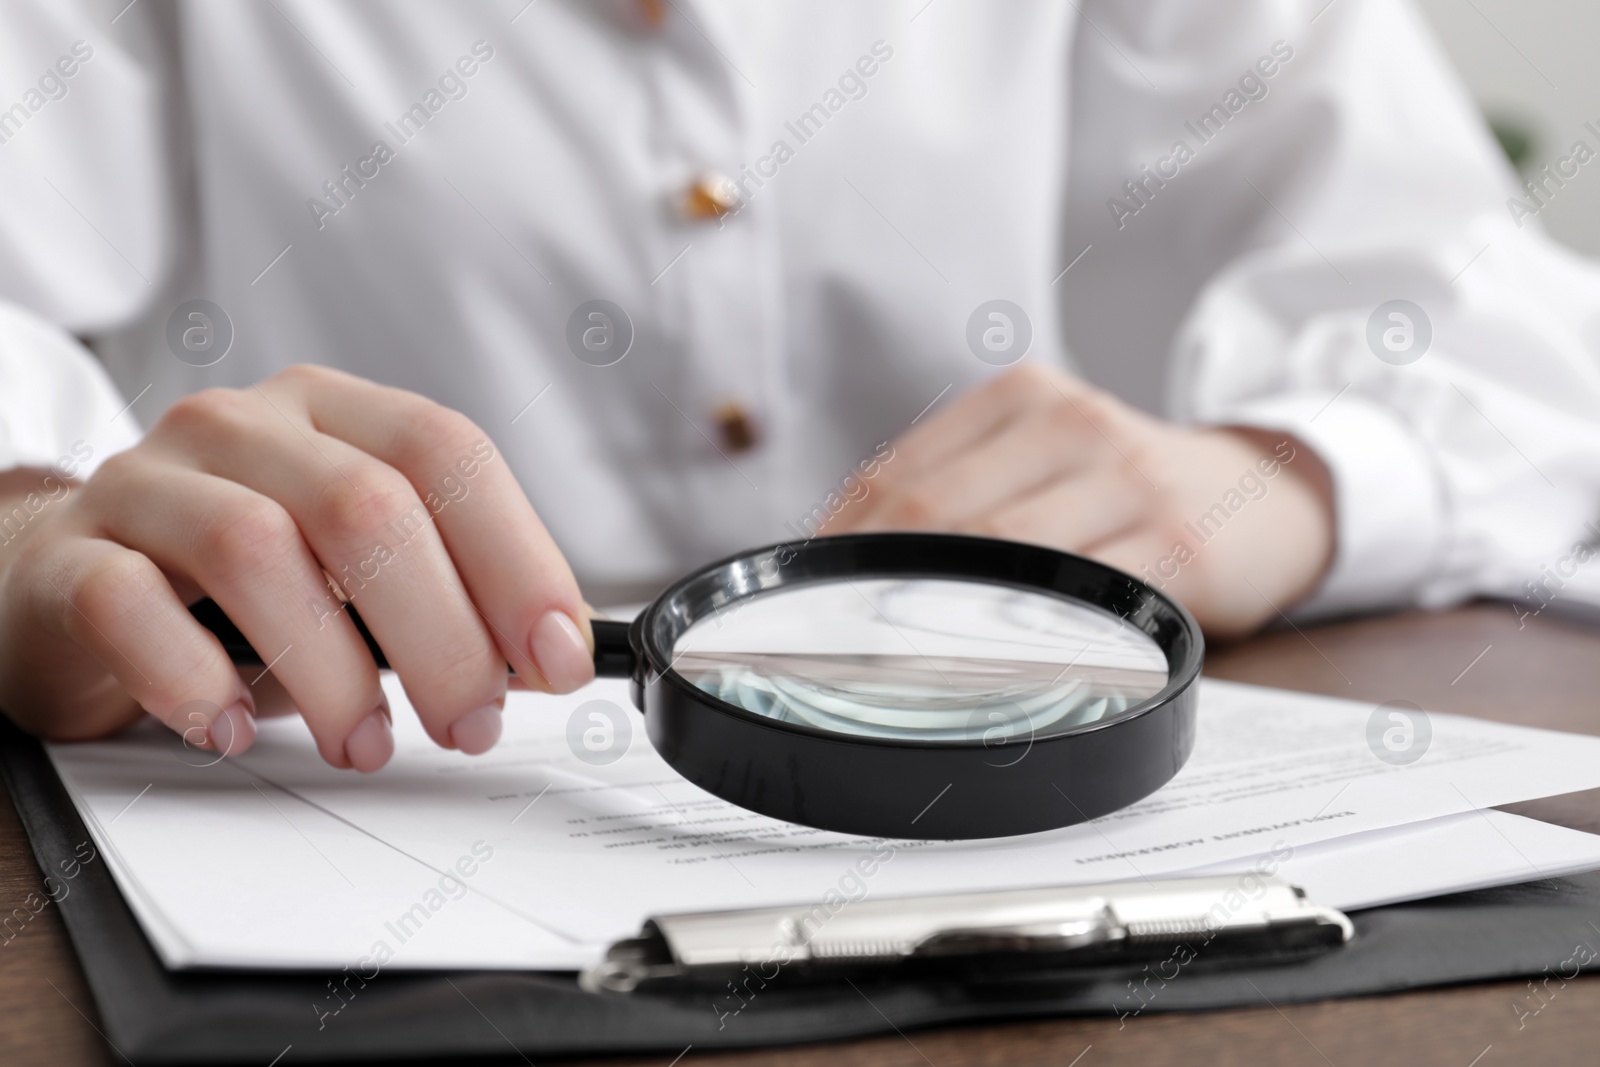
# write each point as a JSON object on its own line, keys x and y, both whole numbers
{"x": 531, "y": 857}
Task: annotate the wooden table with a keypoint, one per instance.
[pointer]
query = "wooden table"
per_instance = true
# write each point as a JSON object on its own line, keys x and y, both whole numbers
{"x": 1475, "y": 661}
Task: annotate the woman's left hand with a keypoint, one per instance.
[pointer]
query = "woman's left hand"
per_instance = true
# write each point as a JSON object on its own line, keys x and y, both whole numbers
{"x": 1237, "y": 523}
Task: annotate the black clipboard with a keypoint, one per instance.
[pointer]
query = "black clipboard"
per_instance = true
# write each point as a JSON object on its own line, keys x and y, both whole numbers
{"x": 156, "y": 1016}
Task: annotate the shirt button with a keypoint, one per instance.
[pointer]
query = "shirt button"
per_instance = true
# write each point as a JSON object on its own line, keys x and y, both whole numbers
{"x": 735, "y": 426}
{"x": 711, "y": 196}
{"x": 653, "y": 12}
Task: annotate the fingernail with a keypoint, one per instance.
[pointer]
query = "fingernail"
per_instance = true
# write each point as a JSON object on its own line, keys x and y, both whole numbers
{"x": 476, "y": 732}
{"x": 370, "y": 744}
{"x": 561, "y": 653}
{"x": 233, "y": 731}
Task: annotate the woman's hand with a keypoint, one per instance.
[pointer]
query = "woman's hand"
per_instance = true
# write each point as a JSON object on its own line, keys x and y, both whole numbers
{"x": 1236, "y": 523}
{"x": 266, "y": 499}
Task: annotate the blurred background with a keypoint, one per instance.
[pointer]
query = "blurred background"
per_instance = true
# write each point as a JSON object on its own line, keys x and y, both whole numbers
{"x": 1532, "y": 66}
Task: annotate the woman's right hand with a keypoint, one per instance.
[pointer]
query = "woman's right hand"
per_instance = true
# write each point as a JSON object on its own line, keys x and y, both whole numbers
{"x": 257, "y": 498}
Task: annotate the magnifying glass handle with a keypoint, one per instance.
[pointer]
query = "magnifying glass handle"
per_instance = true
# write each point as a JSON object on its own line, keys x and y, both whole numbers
{"x": 613, "y": 654}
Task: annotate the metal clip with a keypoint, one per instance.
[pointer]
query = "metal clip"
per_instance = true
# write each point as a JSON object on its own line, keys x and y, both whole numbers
{"x": 1061, "y": 924}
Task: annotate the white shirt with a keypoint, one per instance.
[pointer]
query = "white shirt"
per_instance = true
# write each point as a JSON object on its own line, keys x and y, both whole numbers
{"x": 500, "y": 164}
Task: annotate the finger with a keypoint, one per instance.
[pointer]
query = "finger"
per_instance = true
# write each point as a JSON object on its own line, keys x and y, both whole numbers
{"x": 116, "y": 604}
{"x": 1072, "y": 514}
{"x": 246, "y": 552}
{"x": 368, "y": 529}
{"x": 273, "y": 701}
{"x": 1040, "y": 447}
{"x": 1147, "y": 553}
{"x": 507, "y": 560}
{"x": 974, "y": 416}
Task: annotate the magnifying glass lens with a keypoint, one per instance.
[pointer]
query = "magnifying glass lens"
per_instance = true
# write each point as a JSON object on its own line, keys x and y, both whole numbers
{"x": 922, "y": 659}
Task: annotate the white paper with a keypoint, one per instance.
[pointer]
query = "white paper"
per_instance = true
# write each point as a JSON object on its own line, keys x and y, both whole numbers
{"x": 1473, "y": 850}
{"x": 276, "y": 860}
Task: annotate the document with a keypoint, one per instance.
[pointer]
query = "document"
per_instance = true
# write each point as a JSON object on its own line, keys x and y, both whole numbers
{"x": 1452, "y": 854}
{"x": 538, "y": 854}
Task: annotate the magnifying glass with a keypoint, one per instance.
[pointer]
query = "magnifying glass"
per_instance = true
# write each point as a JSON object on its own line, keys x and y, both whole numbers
{"x": 905, "y": 685}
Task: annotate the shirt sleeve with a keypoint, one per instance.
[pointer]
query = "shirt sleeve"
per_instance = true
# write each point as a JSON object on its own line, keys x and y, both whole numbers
{"x": 57, "y": 406}
{"x": 87, "y": 162}
{"x": 1388, "y": 298}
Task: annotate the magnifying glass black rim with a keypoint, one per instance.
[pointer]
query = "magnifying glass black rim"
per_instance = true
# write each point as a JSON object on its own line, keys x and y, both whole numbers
{"x": 908, "y": 788}
{"x": 959, "y": 558}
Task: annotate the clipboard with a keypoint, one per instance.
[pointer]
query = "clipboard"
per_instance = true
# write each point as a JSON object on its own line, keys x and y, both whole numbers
{"x": 156, "y": 1016}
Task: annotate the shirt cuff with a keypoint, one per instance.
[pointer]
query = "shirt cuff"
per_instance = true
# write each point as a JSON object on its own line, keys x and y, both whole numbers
{"x": 58, "y": 407}
{"x": 1389, "y": 511}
